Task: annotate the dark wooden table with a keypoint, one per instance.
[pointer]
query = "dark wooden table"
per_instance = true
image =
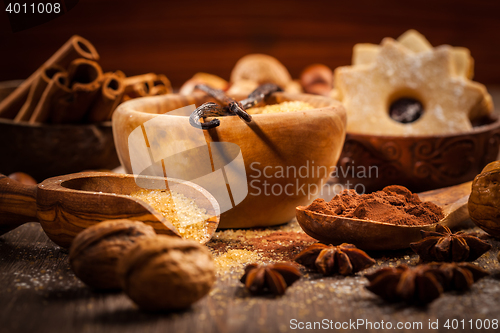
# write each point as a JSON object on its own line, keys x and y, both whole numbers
{"x": 39, "y": 293}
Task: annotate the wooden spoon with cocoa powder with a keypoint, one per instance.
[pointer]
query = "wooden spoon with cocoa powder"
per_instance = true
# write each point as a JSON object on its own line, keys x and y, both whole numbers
{"x": 68, "y": 204}
{"x": 373, "y": 235}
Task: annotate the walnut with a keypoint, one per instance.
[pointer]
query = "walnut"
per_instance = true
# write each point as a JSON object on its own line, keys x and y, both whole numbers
{"x": 242, "y": 87}
{"x": 94, "y": 253}
{"x": 166, "y": 273}
{"x": 203, "y": 78}
{"x": 484, "y": 201}
{"x": 261, "y": 68}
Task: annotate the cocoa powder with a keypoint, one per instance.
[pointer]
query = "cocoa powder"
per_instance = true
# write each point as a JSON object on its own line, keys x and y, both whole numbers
{"x": 275, "y": 245}
{"x": 394, "y": 204}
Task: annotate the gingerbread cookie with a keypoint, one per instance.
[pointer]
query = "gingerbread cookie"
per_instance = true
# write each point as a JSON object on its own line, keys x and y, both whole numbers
{"x": 427, "y": 77}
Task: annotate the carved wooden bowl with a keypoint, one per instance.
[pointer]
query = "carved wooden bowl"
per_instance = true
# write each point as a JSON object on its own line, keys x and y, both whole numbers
{"x": 420, "y": 163}
{"x": 46, "y": 150}
{"x": 271, "y": 140}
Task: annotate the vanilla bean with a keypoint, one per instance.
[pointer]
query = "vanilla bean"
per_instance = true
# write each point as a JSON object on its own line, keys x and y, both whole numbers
{"x": 259, "y": 94}
{"x": 209, "y": 109}
{"x": 229, "y": 105}
{"x": 233, "y": 105}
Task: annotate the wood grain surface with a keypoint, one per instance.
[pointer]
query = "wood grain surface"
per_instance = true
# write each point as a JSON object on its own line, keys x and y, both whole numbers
{"x": 39, "y": 293}
{"x": 180, "y": 38}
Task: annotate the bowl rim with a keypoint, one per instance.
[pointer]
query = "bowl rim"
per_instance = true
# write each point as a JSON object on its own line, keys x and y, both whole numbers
{"x": 495, "y": 124}
{"x": 133, "y": 105}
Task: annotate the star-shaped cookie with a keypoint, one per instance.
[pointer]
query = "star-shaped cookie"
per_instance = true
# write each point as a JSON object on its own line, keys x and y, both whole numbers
{"x": 462, "y": 62}
{"x": 368, "y": 90}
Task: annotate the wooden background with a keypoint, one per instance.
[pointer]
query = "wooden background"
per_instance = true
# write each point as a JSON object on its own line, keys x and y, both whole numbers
{"x": 180, "y": 38}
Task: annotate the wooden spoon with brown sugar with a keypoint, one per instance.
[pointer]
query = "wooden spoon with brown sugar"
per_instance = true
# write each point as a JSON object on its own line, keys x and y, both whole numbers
{"x": 373, "y": 235}
{"x": 66, "y": 205}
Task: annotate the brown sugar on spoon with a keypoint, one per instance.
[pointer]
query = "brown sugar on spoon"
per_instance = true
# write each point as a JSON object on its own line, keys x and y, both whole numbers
{"x": 394, "y": 204}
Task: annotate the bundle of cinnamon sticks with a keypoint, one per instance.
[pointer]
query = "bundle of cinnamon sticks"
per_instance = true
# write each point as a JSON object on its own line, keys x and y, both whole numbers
{"x": 70, "y": 87}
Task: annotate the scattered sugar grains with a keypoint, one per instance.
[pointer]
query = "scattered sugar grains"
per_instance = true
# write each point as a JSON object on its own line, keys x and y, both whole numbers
{"x": 235, "y": 260}
{"x": 182, "y": 212}
{"x": 233, "y": 249}
{"x": 289, "y": 106}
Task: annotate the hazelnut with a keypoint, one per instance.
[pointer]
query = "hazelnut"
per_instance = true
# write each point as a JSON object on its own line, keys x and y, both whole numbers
{"x": 261, "y": 68}
{"x": 484, "y": 201}
{"x": 94, "y": 252}
{"x": 23, "y": 178}
{"x": 317, "y": 79}
{"x": 166, "y": 273}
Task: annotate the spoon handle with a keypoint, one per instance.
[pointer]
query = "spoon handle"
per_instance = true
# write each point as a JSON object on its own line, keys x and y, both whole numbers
{"x": 17, "y": 204}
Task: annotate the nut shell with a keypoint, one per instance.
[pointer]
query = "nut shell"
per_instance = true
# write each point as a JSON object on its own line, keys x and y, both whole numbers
{"x": 484, "y": 201}
{"x": 95, "y": 251}
{"x": 261, "y": 68}
{"x": 166, "y": 273}
{"x": 203, "y": 78}
{"x": 317, "y": 79}
{"x": 23, "y": 178}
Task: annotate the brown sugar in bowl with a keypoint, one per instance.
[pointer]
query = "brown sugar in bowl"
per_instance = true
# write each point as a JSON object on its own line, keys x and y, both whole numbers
{"x": 420, "y": 163}
{"x": 270, "y": 140}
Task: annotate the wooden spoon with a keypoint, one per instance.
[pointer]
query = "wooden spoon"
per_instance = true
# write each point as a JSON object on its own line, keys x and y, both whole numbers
{"x": 373, "y": 235}
{"x": 68, "y": 204}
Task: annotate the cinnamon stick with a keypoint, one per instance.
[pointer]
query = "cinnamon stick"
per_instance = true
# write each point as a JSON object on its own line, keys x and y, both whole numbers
{"x": 36, "y": 91}
{"x": 139, "y": 85}
{"x": 85, "y": 79}
{"x": 75, "y": 47}
{"x": 158, "y": 90}
{"x": 140, "y": 89}
{"x": 161, "y": 79}
{"x": 132, "y": 80}
{"x": 108, "y": 98}
{"x": 120, "y": 74}
{"x": 56, "y": 89}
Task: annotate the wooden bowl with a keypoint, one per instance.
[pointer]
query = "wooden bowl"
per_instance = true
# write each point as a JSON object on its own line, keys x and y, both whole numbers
{"x": 46, "y": 150}
{"x": 366, "y": 235}
{"x": 286, "y": 140}
{"x": 374, "y": 235}
{"x": 420, "y": 163}
{"x": 68, "y": 204}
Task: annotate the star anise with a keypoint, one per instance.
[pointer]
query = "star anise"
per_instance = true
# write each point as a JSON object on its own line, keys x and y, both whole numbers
{"x": 443, "y": 245}
{"x": 344, "y": 259}
{"x": 412, "y": 285}
{"x": 458, "y": 276}
{"x": 423, "y": 283}
{"x": 273, "y": 278}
